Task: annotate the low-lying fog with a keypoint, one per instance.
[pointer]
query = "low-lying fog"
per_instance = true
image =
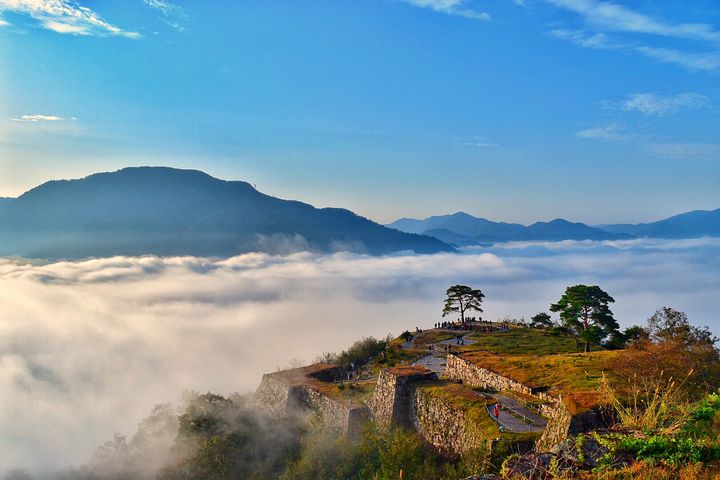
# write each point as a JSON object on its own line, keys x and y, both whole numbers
{"x": 88, "y": 348}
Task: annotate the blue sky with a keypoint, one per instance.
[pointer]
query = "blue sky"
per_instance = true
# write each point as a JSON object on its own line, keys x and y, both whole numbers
{"x": 514, "y": 110}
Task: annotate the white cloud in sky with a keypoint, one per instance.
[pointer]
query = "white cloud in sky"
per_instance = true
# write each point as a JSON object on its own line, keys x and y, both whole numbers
{"x": 581, "y": 38}
{"x": 173, "y": 15}
{"x": 451, "y": 7}
{"x": 602, "y": 17}
{"x": 3, "y": 22}
{"x": 662, "y": 105}
{"x": 88, "y": 348}
{"x": 40, "y": 118}
{"x": 480, "y": 142}
{"x": 65, "y": 16}
{"x": 707, "y": 61}
{"x": 613, "y": 16}
{"x": 612, "y": 132}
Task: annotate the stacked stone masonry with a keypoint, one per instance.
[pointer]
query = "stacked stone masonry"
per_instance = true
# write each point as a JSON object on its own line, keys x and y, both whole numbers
{"x": 443, "y": 425}
{"x": 390, "y": 405}
{"x": 400, "y": 400}
{"x": 282, "y": 398}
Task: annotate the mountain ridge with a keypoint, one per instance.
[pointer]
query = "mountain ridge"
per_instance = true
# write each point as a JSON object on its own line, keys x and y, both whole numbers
{"x": 167, "y": 211}
{"x": 463, "y": 229}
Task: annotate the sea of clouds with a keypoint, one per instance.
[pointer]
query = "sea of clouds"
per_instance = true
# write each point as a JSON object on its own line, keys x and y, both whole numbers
{"x": 87, "y": 348}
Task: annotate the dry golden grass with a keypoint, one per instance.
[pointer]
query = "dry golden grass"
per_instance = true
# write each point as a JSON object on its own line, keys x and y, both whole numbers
{"x": 644, "y": 471}
{"x": 576, "y": 376}
{"x": 525, "y": 341}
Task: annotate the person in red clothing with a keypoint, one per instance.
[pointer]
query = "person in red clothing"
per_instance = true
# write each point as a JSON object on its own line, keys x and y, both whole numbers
{"x": 496, "y": 411}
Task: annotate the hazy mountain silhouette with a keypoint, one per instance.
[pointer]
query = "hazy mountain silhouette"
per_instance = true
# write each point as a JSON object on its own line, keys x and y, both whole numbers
{"x": 460, "y": 223}
{"x": 698, "y": 223}
{"x": 462, "y": 229}
{"x": 165, "y": 211}
{"x": 452, "y": 238}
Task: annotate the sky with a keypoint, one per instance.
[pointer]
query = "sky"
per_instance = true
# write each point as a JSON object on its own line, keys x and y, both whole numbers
{"x": 112, "y": 337}
{"x": 524, "y": 110}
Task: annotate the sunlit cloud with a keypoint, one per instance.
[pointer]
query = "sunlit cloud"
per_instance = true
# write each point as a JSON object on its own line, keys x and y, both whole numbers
{"x": 65, "y": 16}
{"x": 112, "y": 337}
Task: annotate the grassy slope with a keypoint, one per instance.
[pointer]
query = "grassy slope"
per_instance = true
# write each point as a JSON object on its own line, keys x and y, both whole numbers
{"x": 524, "y": 341}
{"x": 539, "y": 360}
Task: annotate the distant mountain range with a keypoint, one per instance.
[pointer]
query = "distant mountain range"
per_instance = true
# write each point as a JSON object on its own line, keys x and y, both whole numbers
{"x": 698, "y": 223}
{"x": 462, "y": 229}
{"x": 165, "y": 211}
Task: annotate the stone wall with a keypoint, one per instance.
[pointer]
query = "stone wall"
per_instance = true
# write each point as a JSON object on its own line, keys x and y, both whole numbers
{"x": 390, "y": 404}
{"x": 460, "y": 369}
{"x": 444, "y": 425}
{"x": 283, "y": 398}
{"x": 274, "y": 395}
{"x": 562, "y": 423}
{"x": 348, "y": 418}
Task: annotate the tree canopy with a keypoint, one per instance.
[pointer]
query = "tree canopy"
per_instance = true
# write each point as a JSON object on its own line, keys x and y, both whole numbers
{"x": 541, "y": 320}
{"x": 460, "y": 299}
{"x": 584, "y": 310}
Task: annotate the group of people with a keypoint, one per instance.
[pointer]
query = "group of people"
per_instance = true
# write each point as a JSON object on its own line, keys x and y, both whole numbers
{"x": 454, "y": 325}
{"x": 473, "y": 324}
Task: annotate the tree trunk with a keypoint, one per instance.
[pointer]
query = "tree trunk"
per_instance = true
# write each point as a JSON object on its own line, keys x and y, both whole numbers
{"x": 586, "y": 314}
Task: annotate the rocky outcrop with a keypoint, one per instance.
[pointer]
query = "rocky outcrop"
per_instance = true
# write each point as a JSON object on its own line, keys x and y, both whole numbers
{"x": 566, "y": 459}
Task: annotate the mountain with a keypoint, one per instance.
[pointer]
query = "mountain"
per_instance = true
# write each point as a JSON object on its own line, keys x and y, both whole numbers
{"x": 698, "y": 223}
{"x": 560, "y": 229}
{"x": 165, "y": 211}
{"x": 462, "y": 229}
{"x": 460, "y": 223}
{"x": 452, "y": 238}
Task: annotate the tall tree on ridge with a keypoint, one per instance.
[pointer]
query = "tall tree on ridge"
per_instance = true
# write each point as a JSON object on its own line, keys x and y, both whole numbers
{"x": 584, "y": 309}
{"x": 461, "y": 298}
